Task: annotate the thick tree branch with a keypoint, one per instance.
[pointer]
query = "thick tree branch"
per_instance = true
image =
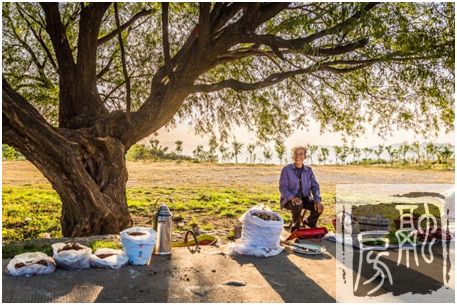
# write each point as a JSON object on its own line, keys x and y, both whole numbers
{"x": 65, "y": 62}
{"x": 27, "y": 141}
{"x": 257, "y": 13}
{"x": 335, "y": 66}
{"x": 276, "y": 43}
{"x": 339, "y": 49}
{"x": 113, "y": 34}
{"x": 240, "y": 54}
{"x": 254, "y": 15}
{"x": 304, "y": 44}
{"x": 59, "y": 39}
{"x": 203, "y": 26}
{"x": 80, "y": 103}
{"x": 165, "y": 39}
{"x": 222, "y": 13}
{"x": 24, "y": 120}
{"x": 241, "y": 86}
{"x": 128, "y": 97}
{"x": 255, "y": 51}
{"x": 89, "y": 27}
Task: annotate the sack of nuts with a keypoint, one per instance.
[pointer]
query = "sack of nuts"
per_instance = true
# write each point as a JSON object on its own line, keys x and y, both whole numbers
{"x": 31, "y": 263}
{"x": 260, "y": 235}
{"x": 71, "y": 256}
{"x": 108, "y": 258}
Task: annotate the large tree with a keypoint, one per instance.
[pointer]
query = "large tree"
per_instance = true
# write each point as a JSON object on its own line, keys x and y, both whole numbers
{"x": 83, "y": 82}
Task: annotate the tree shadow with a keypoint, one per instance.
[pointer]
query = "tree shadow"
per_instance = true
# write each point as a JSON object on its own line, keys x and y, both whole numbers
{"x": 289, "y": 281}
{"x": 128, "y": 284}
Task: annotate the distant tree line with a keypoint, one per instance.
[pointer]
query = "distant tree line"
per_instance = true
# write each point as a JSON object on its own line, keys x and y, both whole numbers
{"x": 214, "y": 152}
{"x": 403, "y": 154}
{"x": 428, "y": 154}
{"x": 155, "y": 151}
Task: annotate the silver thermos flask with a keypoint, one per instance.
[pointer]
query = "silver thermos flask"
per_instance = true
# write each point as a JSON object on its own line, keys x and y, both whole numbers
{"x": 163, "y": 224}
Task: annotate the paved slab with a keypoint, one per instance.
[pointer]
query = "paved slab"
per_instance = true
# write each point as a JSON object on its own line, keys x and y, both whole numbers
{"x": 186, "y": 277}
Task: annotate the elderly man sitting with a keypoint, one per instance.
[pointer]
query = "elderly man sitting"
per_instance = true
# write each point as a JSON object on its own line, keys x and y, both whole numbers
{"x": 296, "y": 184}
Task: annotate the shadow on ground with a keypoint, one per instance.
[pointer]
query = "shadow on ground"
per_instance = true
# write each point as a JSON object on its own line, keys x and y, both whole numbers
{"x": 290, "y": 281}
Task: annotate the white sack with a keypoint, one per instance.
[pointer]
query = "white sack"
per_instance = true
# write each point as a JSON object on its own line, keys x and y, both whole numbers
{"x": 31, "y": 263}
{"x": 72, "y": 259}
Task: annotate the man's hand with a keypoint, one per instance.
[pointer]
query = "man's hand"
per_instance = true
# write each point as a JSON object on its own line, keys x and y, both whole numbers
{"x": 296, "y": 201}
{"x": 319, "y": 207}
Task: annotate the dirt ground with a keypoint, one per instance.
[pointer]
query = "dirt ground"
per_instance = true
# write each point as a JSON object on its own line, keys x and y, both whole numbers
{"x": 172, "y": 174}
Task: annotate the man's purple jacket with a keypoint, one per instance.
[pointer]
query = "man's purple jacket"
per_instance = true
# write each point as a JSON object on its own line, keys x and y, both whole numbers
{"x": 288, "y": 184}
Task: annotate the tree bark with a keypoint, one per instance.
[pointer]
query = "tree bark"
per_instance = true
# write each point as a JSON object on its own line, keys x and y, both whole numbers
{"x": 95, "y": 201}
{"x": 90, "y": 177}
{"x": 87, "y": 171}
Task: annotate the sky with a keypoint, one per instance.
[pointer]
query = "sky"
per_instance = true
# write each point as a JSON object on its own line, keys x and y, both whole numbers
{"x": 311, "y": 136}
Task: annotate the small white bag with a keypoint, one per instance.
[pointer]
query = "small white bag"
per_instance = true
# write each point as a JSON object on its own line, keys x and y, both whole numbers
{"x": 114, "y": 259}
{"x": 31, "y": 263}
{"x": 138, "y": 244}
{"x": 72, "y": 259}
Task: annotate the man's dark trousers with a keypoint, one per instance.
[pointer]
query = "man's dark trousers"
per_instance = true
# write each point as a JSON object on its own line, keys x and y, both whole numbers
{"x": 307, "y": 204}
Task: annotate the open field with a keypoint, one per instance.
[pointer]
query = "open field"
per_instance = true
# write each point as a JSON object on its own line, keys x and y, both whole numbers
{"x": 210, "y": 195}
{"x": 188, "y": 174}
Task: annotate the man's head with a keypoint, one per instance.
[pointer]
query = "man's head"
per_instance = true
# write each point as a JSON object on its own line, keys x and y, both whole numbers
{"x": 299, "y": 154}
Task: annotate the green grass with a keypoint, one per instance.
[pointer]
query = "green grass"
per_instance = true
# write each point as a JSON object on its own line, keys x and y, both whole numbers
{"x": 208, "y": 227}
{"x": 111, "y": 244}
{"x": 29, "y": 211}
{"x": 9, "y": 250}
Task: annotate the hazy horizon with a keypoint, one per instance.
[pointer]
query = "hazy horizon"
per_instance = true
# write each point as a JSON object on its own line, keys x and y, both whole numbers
{"x": 185, "y": 133}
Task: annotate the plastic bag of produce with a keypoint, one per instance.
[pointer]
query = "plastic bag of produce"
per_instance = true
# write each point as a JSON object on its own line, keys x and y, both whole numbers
{"x": 260, "y": 235}
{"x": 138, "y": 243}
{"x": 71, "y": 256}
{"x": 31, "y": 263}
{"x": 108, "y": 258}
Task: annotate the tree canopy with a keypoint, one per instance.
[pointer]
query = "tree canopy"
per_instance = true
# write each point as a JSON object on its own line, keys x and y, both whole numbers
{"x": 83, "y": 82}
{"x": 268, "y": 66}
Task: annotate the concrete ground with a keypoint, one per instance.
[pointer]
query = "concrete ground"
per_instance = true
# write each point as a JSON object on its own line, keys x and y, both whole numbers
{"x": 187, "y": 277}
{"x": 205, "y": 276}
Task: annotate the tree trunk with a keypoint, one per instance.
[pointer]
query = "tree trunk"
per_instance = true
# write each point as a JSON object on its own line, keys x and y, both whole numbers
{"x": 94, "y": 196}
{"x": 85, "y": 167}
{"x": 87, "y": 172}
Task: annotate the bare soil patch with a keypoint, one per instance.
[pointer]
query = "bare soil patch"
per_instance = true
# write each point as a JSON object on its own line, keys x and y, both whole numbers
{"x": 173, "y": 174}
